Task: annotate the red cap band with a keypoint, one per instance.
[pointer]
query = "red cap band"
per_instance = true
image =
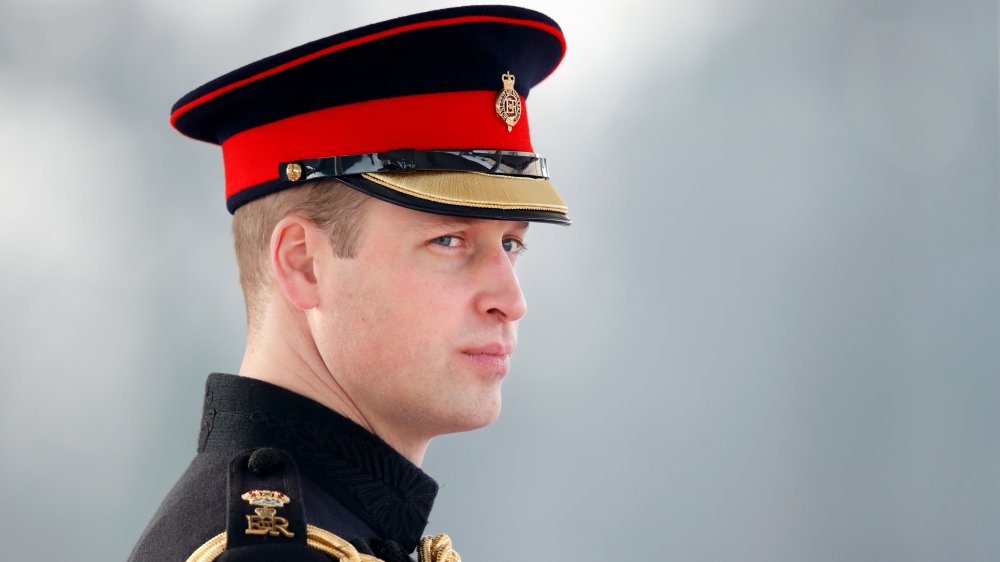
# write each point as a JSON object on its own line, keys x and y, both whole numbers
{"x": 452, "y": 120}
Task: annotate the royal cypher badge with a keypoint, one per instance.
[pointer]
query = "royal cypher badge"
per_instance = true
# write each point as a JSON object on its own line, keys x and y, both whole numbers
{"x": 266, "y": 522}
{"x": 509, "y": 102}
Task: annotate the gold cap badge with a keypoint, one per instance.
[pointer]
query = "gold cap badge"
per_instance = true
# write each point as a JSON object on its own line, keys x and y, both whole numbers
{"x": 509, "y": 102}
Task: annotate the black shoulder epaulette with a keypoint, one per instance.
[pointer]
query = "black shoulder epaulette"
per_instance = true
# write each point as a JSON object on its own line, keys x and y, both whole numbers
{"x": 265, "y": 517}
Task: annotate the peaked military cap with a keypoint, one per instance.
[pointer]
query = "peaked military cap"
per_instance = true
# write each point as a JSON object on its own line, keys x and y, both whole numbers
{"x": 426, "y": 111}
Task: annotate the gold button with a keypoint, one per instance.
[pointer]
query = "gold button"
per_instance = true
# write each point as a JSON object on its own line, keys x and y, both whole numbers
{"x": 293, "y": 171}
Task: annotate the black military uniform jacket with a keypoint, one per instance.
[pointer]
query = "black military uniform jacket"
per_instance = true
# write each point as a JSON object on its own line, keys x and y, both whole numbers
{"x": 261, "y": 441}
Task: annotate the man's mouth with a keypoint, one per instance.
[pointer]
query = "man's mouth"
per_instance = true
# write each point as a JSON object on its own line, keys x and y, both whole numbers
{"x": 494, "y": 357}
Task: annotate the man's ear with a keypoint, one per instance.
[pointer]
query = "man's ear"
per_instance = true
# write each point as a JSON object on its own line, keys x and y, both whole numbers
{"x": 295, "y": 245}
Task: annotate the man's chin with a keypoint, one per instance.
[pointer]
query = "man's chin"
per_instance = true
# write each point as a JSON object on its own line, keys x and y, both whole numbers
{"x": 477, "y": 418}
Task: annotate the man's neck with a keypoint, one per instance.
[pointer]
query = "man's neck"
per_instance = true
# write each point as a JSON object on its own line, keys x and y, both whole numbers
{"x": 274, "y": 357}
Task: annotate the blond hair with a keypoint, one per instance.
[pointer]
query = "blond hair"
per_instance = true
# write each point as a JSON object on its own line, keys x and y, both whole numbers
{"x": 332, "y": 206}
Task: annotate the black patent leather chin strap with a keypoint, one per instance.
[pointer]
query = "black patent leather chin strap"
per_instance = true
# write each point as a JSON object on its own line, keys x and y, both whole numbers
{"x": 500, "y": 162}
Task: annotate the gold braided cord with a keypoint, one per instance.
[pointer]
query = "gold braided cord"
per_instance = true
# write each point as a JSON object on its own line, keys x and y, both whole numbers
{"x": 319, "y": 539}
{"x": 437, "y": 549}
{"x": 334, "y": 546}
{"x": 212, "y": 549}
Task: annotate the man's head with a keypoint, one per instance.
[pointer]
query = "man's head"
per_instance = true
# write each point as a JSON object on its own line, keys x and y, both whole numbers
{"x": 382, "y": 181}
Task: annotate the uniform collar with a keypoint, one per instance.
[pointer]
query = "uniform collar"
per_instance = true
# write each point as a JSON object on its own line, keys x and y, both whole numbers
{"x": 391, "y": 494}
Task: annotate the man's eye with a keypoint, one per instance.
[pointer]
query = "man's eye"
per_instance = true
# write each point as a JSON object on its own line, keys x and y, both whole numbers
{"x": 447, "y": 241}
{"x": 512, "y": 245}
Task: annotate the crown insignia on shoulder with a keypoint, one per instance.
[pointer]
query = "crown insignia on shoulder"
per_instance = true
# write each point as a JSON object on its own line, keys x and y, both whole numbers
{"x": 266, "y": 498}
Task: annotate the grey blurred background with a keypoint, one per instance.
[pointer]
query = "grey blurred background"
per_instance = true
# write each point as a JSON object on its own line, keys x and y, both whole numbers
{"x": 771, "y": 335}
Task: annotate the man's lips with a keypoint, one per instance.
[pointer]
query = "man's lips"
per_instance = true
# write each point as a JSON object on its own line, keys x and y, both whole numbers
{"x": 490, "y": 349}
{"x": 493, "y": 357}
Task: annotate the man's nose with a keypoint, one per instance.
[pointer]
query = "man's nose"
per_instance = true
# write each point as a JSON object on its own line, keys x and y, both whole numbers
{"x": 501, "y": 294}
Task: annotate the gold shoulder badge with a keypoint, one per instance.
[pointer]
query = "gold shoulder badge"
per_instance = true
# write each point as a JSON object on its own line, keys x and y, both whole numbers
{"x": 509, "y": 102}
{"x": 266, "y": 522}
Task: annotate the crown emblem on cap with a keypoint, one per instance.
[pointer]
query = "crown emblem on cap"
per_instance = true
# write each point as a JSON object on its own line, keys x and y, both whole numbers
{"x": 509, "y": 102}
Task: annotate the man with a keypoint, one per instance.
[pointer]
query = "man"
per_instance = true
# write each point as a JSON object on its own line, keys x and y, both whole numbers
{"x": 382, "y": 181}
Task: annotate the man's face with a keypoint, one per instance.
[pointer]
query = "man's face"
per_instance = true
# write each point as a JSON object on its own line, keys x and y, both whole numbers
{"x": 419, "y": 327}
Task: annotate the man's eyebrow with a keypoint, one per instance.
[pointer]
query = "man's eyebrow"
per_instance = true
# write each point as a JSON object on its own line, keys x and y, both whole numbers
{"x": 448, "y": 222}
{"x": 435, "y": 223}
